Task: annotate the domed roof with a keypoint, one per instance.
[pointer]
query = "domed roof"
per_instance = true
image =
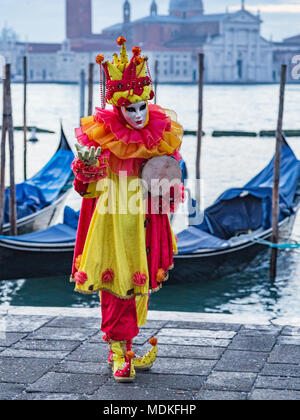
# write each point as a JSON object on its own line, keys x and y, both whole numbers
{"x": 186, "y": 6}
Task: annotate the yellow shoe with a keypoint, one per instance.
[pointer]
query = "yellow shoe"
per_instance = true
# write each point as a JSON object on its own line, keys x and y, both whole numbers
{"x": 123, "y": 367}
{"x": 146, "y": 362}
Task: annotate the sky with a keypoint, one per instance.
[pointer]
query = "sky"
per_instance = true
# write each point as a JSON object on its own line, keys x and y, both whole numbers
{"x": 44, "y": 20}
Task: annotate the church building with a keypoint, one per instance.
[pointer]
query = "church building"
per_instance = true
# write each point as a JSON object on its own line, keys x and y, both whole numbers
{"x": 235, "y": 51}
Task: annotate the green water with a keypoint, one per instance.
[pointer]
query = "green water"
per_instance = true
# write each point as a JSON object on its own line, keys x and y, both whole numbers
{"x": 246, "y": 292}
{"x": 226, "y": 162}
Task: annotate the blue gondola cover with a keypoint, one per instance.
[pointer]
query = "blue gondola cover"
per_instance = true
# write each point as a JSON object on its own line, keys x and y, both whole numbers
{"x": 42, "y": 189}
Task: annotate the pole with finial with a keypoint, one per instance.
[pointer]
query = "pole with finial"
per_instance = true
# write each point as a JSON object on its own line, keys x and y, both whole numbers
{"x": 243, "y": 4}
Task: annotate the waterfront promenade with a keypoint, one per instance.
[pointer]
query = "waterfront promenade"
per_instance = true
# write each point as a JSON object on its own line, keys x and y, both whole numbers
{"x": 58, "y": 353}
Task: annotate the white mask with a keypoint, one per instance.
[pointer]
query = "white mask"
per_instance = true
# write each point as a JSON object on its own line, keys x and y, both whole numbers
{"x": 136, "y": 114}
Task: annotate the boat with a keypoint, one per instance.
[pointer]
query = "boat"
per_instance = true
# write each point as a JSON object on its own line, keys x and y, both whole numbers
{"x": 41, "y": 198}
{"x": 238, "y": 225}
{"x": 233, "y": 232}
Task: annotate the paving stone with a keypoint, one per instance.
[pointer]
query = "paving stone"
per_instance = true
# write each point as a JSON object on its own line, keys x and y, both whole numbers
{"x": 126, "y": 393}
{"x": 280, "y": 369}
{"x": 193, "y": 341}
{"x": 285, "y": 354}
{"x": 10, "y": 391}
{"x": 152, "y": 380}
{"x": 274, "y": 395}
{"x": 180, "y": 332}
{"x": 278, "y": 382}
{"x": 289, "y": 330}
{"x": 203, "y": 326}
{"x": 220, "y": 396}
{"x": 183, "y": 366}
{"x": 230, "y": 381}
{"x": 145, "y": 335}
{"x": 75, "y": 322}
{"x": 20, "y": 323}
{"x": 178, "y": 351}
{"x": 285, "y": 339}
{"x": 83, "y": 367}
{"x": 152, "y": 324}
{"x": 241, "y": 361}
{"x": 261, "y": 329}
{"x": 40, "y": 396}
{"x": 8, "y": 339}
{"x": 261, "y": 343}
{"x": 48, "y": 333}
{"x": 53, "y": 382}
{"x": 46, "y": 345}
{"x": 37, "y": 354}
{"x": 89, "y": 352}
{"x": 24, "y": 370}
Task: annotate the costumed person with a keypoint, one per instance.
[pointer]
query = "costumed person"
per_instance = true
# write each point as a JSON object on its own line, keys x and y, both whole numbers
{"x": 125, "y": 245}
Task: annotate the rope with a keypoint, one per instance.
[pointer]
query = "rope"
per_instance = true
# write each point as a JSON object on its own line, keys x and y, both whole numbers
{"x": 293, "y": 245}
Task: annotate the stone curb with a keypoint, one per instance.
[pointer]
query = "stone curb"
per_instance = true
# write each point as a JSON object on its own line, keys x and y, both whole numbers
{"x": 154, "y": 315}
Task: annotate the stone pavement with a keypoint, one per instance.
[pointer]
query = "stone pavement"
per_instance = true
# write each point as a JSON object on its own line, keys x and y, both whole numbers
{"x": 58, "y": 353}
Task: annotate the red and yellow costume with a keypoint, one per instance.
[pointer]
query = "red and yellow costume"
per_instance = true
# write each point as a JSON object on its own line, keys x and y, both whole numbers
{"x": 123, "y": 254}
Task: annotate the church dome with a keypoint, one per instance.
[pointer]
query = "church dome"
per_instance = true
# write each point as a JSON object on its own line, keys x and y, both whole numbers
{"x": 186, "y": 6}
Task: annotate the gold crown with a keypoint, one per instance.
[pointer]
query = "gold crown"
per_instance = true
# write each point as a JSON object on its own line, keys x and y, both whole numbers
{"x": 126, "y": 81}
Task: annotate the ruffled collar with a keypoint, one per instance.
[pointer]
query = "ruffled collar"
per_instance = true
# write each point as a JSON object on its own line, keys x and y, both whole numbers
{"x": 149, "y": 136}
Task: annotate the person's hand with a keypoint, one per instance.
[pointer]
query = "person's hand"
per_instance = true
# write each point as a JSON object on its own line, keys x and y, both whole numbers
{"x": 89, "y": 157}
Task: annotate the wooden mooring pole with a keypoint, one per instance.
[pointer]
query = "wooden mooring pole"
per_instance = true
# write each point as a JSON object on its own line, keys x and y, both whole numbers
{"x": 82, "y": 93}
{"x": 200, "y": 125}
{"x": 3, "y": 158}
{"x": 25, "y": 116}
{"x": 8, "y": 128}
{"x": 277, "y": 163}
{"x": 155, "y": 80}
{"x": 91, "y": 87}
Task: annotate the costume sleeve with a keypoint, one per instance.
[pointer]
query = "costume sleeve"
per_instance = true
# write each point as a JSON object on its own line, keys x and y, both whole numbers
{"x": 87, "y": 177}
{"x": 87, "y": 190}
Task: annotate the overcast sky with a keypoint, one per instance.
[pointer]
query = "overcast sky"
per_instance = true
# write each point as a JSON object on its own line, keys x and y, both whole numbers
{"x": 44, "y": 20}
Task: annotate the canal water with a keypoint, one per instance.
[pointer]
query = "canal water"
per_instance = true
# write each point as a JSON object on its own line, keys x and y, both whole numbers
{"x": 226, "y": 162}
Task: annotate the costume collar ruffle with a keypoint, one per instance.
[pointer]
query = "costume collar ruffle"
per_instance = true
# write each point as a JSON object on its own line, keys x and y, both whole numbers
{"x": 149, "y": 136}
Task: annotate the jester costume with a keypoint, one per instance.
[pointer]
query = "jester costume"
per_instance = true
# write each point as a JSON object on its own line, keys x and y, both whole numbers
{"x": 123, "y": 249}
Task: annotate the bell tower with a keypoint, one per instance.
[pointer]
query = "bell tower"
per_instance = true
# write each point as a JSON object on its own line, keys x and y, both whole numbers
{"x": 78, "y": 18}
{"x": 127, "y": 12}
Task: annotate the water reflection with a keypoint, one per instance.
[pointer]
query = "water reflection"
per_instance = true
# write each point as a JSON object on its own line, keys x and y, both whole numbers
{"x": 249, "y": 291}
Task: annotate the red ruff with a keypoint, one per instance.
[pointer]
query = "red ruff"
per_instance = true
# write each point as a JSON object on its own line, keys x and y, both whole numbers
{"x": 149, "y": 136}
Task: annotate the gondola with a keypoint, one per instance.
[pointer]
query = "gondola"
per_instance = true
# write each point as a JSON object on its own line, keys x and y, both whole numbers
{"x": 237, "y": 226}
{"x": 226, "y": 241}
{"x": 40, "y": 198}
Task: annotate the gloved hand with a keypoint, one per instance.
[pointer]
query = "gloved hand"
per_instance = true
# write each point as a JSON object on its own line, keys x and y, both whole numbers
{"x": 89, "y": 157}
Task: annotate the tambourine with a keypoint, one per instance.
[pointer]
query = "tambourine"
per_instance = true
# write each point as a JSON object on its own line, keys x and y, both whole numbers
{"x": 160, "y": 173}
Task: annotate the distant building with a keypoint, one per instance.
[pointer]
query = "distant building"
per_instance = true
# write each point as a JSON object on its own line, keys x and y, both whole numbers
{"x": 235, "y": 51}
{"x": 287, "y": 52}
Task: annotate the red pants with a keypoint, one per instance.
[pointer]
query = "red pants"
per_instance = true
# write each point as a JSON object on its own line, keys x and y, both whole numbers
{"x": 119, "y": 317}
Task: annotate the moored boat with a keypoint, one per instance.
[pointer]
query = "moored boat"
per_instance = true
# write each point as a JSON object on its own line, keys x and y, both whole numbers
{"x": 40, "y": 198}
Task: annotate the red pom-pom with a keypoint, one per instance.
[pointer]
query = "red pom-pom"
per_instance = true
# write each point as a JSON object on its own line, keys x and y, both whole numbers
{"x": 130, "y": 355}
{"x": 136, "y": 50}
{"x": 160, "y": 275}
{"x": 108, "y": 276}
{"x": 137, "y": 60}
{"x": 151, "y": 95}
{"x": 153, "y": 341}
{"x": 139, "y": 279}
{"x": 121, "y": 40}
{"x": 81, "y": 278}
{"x": 99, "y": 58}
